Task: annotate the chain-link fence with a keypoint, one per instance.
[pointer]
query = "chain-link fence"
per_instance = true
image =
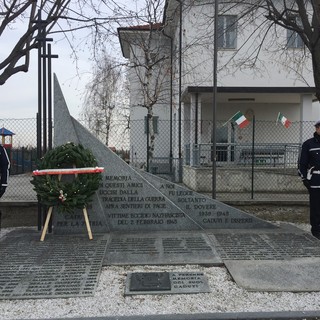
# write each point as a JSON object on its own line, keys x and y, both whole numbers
{"x": 256, "y": 162}
{"x": 20, "y": 144}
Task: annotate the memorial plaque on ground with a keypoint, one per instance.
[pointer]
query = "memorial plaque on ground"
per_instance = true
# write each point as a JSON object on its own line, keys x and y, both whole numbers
{"x": 166, "y": 283}
{"x": 150, "y": 281}
{"x": 129, "y": 200}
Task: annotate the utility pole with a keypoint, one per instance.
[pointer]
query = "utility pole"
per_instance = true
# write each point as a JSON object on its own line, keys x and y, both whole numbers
{"x": 214, "y": 100}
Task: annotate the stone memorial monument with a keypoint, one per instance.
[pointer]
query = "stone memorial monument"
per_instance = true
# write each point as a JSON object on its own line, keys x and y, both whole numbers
{"x": 132, "y": 216}
{"x": 132, "y": 200}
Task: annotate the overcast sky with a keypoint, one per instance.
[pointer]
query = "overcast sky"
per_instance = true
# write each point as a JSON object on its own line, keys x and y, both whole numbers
{"x": 19, "y": 95}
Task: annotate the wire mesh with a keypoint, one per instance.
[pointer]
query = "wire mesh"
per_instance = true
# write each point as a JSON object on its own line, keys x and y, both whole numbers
{"x": 255, "y": 162}
{"x": 21, "y": 149}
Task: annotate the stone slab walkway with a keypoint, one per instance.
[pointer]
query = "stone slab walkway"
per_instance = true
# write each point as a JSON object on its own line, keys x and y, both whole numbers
{"x": 59, "y": 267}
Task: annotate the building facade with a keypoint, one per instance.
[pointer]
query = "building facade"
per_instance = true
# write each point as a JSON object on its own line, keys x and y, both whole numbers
{"x": 261, "y": 71}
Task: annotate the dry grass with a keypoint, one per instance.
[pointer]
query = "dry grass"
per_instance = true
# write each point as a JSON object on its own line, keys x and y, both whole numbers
{"x": 294, "y": 214}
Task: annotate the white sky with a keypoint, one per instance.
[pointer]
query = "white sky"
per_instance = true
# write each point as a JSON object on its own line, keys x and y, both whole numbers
{"x": 19, "y": 95}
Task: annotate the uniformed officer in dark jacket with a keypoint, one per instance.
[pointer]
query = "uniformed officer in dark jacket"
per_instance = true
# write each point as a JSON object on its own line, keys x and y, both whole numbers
{"x": 4, "y": 170}
{"x": 309, "y": 170}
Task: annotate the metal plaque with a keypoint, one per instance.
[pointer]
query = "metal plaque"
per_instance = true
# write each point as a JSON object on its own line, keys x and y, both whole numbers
{"x": 166, "y": 283}
{"x": 150, "y": 281}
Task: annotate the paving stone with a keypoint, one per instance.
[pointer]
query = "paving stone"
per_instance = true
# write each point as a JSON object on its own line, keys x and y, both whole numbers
{"x": 296, "y": 275}
{"x": 160, "y": 248}
{"x": 61, "y": 266}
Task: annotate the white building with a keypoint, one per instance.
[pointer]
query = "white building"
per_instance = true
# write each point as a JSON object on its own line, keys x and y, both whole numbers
{"x": 260, "y": 85}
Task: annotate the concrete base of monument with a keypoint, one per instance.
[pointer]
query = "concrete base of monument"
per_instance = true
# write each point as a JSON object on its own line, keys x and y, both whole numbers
{"x": 283, "y": 259}
{"x": 208, "y": 247}
{"x": 18, "y": 214}
{"x": 161, "y": 248}
{"x": 59, "y": 267}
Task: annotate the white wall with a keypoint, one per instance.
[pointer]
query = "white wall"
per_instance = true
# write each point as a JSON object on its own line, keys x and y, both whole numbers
{"x": 272, "y": 68}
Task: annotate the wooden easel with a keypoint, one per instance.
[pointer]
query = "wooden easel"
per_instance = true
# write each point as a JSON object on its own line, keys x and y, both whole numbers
{"x": 86, "y": 219}
{"x": 49, "y": 214}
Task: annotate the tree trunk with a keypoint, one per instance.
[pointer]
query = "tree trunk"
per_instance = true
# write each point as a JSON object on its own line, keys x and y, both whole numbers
{"x": 151, "y": 134}
{"x": 316, "y": 67}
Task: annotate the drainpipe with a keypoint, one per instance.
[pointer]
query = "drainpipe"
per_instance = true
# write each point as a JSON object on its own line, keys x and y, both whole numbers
{"x": 196, "y": 147}
{"x": 196, "y": 118}
{"x": 180, "y": 91}
{"x": 171, "y": 98}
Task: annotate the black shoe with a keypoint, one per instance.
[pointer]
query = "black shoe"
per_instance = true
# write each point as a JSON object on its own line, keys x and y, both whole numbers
{"x": 316, "y": 235}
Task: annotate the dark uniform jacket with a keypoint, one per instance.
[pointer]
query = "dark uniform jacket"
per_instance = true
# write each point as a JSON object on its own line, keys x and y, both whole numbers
{"x": 309, "y": 162}
{"x": 4, "y": 167}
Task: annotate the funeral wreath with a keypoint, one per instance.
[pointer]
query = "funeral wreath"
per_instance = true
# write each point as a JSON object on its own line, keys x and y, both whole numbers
{"x": 77, "y": 190}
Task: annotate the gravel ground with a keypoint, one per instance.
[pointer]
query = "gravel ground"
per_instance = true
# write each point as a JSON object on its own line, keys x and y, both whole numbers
{"x": 109, "y": 299}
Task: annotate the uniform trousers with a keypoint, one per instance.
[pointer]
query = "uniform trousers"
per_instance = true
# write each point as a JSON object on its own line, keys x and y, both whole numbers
{"x": 314, "y": 198}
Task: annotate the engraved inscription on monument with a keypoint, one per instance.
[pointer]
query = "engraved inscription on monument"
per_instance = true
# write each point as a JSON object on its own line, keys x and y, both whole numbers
{"x": 204, "y": 211}
{"x": 130, "y": 204}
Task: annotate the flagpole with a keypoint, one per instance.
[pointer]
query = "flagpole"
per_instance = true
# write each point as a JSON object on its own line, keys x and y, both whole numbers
{"x": 278, "y": 118}
{"x": 229, "y": 119}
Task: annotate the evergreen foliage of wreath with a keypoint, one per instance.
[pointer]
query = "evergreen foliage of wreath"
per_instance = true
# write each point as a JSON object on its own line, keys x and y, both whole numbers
{"x": 77, "y": 192}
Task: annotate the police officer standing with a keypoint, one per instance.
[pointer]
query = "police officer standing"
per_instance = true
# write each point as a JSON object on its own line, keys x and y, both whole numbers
{"x": 4, "y": 170}
{"x": 309, "y": 170}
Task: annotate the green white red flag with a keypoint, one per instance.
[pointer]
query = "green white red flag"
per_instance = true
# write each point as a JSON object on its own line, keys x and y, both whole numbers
{"x": 240, "y": 119}
{"x": 281, "y": 118}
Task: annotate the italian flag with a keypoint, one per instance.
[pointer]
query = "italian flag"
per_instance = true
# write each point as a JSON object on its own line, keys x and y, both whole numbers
{"x": 281, "y": 118}
{"x": 240, "y": 119}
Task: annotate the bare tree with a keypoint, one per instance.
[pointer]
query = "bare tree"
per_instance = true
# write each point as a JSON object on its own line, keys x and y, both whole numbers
{"x": 106, "y": 99}
{"x": 303, "y": 18}
{"x": 268, "y": 20}
{"x": 97, "y": 21}
{"x": 150, "y": 62}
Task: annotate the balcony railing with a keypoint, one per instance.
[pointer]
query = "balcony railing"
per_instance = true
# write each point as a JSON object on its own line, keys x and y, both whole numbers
{"x": 262, "y": 154}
